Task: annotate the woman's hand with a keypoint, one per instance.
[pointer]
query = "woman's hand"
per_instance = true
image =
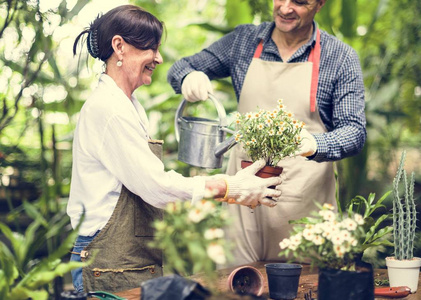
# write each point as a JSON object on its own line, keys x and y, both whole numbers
{"x": 247, "y": 189}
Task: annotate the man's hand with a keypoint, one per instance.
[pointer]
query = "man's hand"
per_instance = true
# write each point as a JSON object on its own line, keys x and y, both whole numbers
{"x": 308, "y": 146}
{"x": 196, "y": 86}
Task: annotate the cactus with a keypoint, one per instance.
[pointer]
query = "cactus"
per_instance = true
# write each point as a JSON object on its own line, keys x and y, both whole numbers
{"x": 404, "y": 213}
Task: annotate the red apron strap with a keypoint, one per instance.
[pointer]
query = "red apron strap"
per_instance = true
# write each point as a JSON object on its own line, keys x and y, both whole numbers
{"x": 314, "y": 57}
{"x": 258, "y": 50}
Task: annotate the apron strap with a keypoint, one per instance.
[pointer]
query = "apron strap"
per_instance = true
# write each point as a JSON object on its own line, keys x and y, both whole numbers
{"x": 314, "y": 57}
{"x": 258, "y": 50}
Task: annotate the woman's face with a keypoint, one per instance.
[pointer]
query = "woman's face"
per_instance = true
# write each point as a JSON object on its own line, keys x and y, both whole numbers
{"x": 139, "y": 65}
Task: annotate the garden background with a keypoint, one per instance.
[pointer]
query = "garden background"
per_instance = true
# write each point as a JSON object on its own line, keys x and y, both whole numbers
{"x": 42, "y": 88}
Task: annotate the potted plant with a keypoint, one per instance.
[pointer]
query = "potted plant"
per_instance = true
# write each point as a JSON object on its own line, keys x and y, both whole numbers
{"x": 191, "y": 237}
{"x": 268, "y": 134}
{"x": 403, "y": 268}
{"x": 193, "y": 243}
{"x": 335, "y": 243}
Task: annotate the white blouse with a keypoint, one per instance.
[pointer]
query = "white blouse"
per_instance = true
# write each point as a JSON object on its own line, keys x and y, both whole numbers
{"x": 110, "y": 148}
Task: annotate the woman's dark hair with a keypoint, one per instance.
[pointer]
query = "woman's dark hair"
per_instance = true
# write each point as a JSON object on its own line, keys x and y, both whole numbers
{"x": 135, "y": 25}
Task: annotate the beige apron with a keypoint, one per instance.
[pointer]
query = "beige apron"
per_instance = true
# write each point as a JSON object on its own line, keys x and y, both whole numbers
{"x": 123, "y": 258}
{"x": 257, "y": 235}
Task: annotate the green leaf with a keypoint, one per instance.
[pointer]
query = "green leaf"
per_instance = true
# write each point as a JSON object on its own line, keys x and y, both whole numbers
{"x": 305, "y": 220}
{"x": 17, "y": 242}
{"x": 382, "y": 232}
{"x": 349, "y": 17}
{"x": 32, "y": 211}
{"x": 380, "y": 201}
{"x": 376, "y": 244}
{"x": 237, "y": 12}
{"x": 4, "y": 285}
{"x": 21, "y": 293}
{"x": 323, "y": 17}
{"x": 7, "y": 265}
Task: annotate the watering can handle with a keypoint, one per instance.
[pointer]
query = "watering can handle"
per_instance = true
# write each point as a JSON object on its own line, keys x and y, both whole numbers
{"x": 219, "y": 108}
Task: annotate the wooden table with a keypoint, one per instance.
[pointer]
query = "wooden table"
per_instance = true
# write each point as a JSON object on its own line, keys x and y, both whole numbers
{"x": 308, "y": 281}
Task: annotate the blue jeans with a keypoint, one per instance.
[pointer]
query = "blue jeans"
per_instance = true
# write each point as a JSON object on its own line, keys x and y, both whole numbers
{"x": 81, "y": 242}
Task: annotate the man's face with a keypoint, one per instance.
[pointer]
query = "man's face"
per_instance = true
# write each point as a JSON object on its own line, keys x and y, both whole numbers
{"x": 295, "y": 16}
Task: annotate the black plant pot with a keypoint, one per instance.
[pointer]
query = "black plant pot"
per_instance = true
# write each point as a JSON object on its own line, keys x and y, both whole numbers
{"x": 346, "y": 285}
{"x": 283, "y": 280}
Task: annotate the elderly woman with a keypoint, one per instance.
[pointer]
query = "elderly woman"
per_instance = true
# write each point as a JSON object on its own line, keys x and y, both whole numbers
{"x": 118, "y": 179}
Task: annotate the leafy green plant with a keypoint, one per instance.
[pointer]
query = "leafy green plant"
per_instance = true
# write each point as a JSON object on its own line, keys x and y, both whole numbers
{"x": 24, "y": 275}
{"x": 191, "y": 237}
{"x": 328, "y": 239}
{"x": 268, "y": 134}
{"x": 404, "y": 213}
{"x": 376, "y": 234}
{"x": 338, "y": 240}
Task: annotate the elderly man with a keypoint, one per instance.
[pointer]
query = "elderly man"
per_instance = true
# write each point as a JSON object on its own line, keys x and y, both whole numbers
{"x": 319, "y": 79}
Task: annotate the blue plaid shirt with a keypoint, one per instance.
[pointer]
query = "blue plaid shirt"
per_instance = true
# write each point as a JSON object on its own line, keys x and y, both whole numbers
{"x": 340, "y": 93}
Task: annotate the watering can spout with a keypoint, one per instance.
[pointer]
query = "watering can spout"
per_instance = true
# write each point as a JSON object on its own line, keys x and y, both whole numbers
{"x": 225, "y": 146}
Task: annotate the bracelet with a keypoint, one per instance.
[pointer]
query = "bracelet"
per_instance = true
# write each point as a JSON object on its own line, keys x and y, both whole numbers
{"x": 227, "y": 190}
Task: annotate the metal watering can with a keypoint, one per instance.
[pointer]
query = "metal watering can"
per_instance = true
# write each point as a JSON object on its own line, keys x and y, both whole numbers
{"x": 201, "y": 142}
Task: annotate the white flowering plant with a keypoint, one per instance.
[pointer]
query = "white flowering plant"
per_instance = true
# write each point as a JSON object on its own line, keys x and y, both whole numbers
{"x": 337, "y": 240}
{"x": 191, "y": 237}
{"x": 268, "y": 134}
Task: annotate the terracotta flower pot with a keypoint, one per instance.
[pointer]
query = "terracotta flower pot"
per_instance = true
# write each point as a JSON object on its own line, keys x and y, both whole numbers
{"x": 266, "y": 172}
{"x": 246, "y": 280}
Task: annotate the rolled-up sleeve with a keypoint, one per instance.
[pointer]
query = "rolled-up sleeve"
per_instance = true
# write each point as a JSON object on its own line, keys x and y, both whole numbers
{"x": 213, "y": 61}
{"x": 348, "y": 135}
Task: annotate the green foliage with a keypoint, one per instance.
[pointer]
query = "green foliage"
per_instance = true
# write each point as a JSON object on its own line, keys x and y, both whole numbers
{"x": 404, "y": 213}
{"x": 327, "y": 239}
{"x": 392, "y": 72}
{"x": 349, "y": 17}
{"x": 339, "y": 240}
{"x": 262, "y": 9}
{"x": 238, "y": 12}
{"x": 191, "y": 237}
{"x": 23, "y": 273}
{"x": 339, "y": 17}
{"x": 30, "y": 61}
{"x": 376, "y": 233}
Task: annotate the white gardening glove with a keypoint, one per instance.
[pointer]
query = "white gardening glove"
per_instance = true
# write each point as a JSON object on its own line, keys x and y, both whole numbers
{"x": 196, "y": 86}
{"x": 279, "y": 188}
{"x": 308, "y": 144}
{"x": 250, "y": 190}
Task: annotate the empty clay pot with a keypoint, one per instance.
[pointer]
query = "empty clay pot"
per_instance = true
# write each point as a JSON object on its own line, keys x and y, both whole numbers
{"x": 246, "y": 280}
